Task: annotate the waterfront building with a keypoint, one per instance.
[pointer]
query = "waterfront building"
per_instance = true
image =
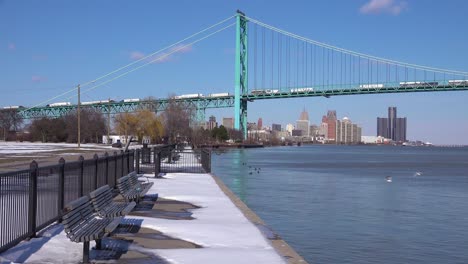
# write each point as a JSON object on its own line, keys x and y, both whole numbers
{"x": 296, "y": 133}
{"x": 323, "y": 130}
{"x": 347, "y": 132}
{"x": 330, "y": 120}
{"x": 303, "y": 123}
{"x": 228, "y": 122}
{"x": 211, "y": 123}
{"x": 382, "y": 127}
{"x": 392, "y": 127}
{"x": 314, "y": 130}
{"x": 276, "y": 127}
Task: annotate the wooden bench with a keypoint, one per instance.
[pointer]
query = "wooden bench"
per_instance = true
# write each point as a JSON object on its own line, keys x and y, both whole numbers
{"x": 129, "y": 191}
{"x": 105, "y": 207}
{"x": 136, "y": 183}
{"x": 81, "y": 224}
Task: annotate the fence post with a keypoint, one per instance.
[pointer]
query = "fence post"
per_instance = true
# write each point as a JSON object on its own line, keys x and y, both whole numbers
{"x": 115, "y": 167}
{"x": 122, "y": 167}
{"x": 95, "y": 157}
{"x": 107, "y": 167}
{"x": 61, "y": 193}
{"x": 80, "y": 178}
{"x": 128, "y": 161}
{"x": 137, "y": 161}
{"x": 32, "y": 210}
{"x": 157, "y": 161}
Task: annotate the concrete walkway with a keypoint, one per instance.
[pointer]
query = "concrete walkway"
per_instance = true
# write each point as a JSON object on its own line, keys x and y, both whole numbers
{"x": 194, "y": 220}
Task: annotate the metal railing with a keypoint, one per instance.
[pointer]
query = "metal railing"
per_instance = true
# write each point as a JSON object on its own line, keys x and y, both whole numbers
{"x": 173, "y": 158}
{"x": 33, "y": 199}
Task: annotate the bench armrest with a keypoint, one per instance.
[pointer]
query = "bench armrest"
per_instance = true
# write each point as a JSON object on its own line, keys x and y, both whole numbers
{"x": 112, "y": 225}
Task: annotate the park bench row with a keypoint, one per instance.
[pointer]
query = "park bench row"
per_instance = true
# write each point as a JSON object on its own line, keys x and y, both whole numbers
{"x": 94, "y": 217}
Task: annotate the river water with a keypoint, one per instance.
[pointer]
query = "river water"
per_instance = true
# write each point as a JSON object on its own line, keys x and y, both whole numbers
{"x": 332, "y": 204}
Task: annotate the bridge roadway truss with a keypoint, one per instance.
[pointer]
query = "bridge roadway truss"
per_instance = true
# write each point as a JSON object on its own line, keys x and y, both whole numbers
{"x": 203, "y": 103}
{"x": 157, "y": 105}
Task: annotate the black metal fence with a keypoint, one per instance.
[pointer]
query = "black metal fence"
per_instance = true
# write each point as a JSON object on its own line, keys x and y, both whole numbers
{"x": 32, "y": 199}
{"x": 173, "y": 158}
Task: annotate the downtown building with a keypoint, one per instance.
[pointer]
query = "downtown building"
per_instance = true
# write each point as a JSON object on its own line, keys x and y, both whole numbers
{"x": 328, "y": 126}
{"x": 228, "y": 122}
{"x": 211, "y": 123}
{"x": 303, "y": 124}
{"x": 347, "y": 132}
{"x": 392, "y": 127}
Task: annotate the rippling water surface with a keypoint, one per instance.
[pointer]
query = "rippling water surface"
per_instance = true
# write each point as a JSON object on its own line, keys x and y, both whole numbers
{"x": 332, "y": 204}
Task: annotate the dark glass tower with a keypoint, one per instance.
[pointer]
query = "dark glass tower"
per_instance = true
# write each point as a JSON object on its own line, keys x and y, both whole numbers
{"x": 392, "y": 127}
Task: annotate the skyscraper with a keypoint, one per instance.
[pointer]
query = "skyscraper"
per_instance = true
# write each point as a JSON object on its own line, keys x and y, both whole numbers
{"x": 392, "y": 127}
{"x": 211, "y": 123}
{"x": 330, "y": 120}
{"x": 382, "y": 127}
{"x": 303, "y": 123}
{"x": 228, "y": 122}
{"x": 260, "y": 123}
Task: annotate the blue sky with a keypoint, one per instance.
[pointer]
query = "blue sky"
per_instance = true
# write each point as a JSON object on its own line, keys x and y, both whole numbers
{"x": 47, "y": 47}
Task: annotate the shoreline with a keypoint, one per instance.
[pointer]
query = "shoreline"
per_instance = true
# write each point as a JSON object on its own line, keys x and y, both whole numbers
{"x": 281, "y": 246}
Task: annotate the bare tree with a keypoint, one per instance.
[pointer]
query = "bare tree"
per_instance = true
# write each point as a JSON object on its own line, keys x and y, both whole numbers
{"x": 177, "y": 119}
{"x": 93, "y": 126}
{"x": 10, "y": 120}
{"x": 48, "y": 130}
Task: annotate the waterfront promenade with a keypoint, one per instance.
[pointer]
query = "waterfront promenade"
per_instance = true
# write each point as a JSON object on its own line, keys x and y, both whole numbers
{"x": 194, "y": 220}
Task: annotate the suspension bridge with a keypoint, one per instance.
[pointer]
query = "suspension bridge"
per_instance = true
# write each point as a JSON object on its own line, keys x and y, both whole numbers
{"x": 271, "y": 63}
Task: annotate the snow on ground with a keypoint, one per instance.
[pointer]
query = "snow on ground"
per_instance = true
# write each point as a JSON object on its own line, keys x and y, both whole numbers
{"x": 219, "y": 226}
{"x": 36, "y": 147}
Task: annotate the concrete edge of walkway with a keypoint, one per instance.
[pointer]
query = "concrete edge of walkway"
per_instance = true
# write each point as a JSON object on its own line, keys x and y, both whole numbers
{"x": 283, "y": 249}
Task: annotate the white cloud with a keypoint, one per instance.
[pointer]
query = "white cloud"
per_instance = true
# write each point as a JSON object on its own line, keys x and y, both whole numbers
{"x": 384, "y": 6}
{"x": 38, "y": 79}
{"x": 11, "y": 46}
{"x": 136, "y": 55}
{"x": 162, "y": 57}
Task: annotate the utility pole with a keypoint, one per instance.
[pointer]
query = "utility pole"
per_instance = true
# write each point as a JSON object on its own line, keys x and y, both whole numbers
{"x": 108, "y": 121}
{"x": 79, "y": 117}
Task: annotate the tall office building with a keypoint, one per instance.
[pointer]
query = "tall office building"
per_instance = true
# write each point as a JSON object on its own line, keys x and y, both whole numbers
{"x": 260, "y": 123}
{"x": 228, "y": 122}
{"x": 347, "y": 132}
{"x": 211, "y": 123}
{"x": 392, "y": 127}
{"x": 276, "y": 127}
{"x": 303, "y": 123}
{"x": 330, "y": 120}
{"x": 382, "y": 127}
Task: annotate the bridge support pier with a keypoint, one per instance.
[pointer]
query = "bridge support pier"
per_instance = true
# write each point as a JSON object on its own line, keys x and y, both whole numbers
{"x": 241, "y": 81}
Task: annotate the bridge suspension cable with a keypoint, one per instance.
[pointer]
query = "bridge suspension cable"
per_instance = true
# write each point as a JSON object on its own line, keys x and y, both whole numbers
{"x": 358, "y": 54}
{"x": 285, "y": 64}
{"x": 145, "y": 58}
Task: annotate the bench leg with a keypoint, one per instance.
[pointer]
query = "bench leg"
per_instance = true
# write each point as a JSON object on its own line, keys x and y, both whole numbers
{"x": 98, "y": 244}
{"x": 86, "y": 252}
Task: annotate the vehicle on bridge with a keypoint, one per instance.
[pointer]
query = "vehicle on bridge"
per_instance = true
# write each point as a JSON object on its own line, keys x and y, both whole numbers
{"x": 458, "y": 82}
{"x": 59, "y": 104}
{"x": 214, "y": 95}
{"x": 302, "y": 90}
{"x": 188, "y": 96}
{"x": 133, "y": 100}
{"x": 371, "y": 86}
{"x": 13, "y": 107}
{"x": 263, "y": 92}
{"x": 418, "y": 84}
{"x": 97, "y": 102}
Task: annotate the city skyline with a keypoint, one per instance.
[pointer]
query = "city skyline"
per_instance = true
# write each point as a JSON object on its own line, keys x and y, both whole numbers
{"x": 42, "y": 64}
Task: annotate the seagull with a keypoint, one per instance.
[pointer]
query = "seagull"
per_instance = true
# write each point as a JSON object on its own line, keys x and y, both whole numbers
{"x": 388, "y": 178}
{"x": 418, "y": 173}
